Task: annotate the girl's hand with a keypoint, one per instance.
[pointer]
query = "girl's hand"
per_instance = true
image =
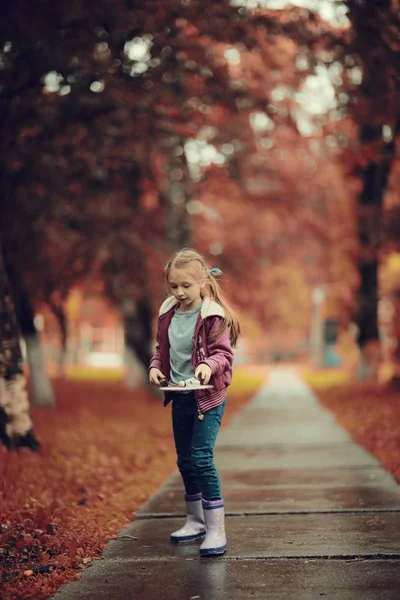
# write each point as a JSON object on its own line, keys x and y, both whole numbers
{"x": 155, "y": 375}
{"x": 203, "y": 373}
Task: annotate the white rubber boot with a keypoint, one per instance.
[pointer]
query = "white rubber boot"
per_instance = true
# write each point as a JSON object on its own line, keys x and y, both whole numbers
{"x": 214, "y": 515}
{"x": 194, "y": 527}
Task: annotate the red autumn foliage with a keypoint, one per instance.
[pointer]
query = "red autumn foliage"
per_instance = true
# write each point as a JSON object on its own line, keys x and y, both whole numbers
{"x": 105, "y": 450}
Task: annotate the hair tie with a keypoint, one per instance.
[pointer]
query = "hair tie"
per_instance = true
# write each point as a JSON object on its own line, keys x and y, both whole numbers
{"x": 215, "y": 272}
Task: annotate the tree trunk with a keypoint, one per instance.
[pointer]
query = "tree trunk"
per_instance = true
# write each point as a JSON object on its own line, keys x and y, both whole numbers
{"x": 40, "y": 385}
{"x": 395, "y": 335}
{"x": 177, "y": 182}
{"x": 138, "y": 347}
{"x": 370, "y": 203}
{"x": 16, "y": 428}
{"x": 377, "y": 109}
{"x": 59, "y": 313}
{"x": 178, "y": 232}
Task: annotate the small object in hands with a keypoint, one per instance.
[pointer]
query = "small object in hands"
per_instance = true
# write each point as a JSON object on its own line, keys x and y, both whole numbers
{"x": 184, "y": 386}
{"x": 163, "y": 381}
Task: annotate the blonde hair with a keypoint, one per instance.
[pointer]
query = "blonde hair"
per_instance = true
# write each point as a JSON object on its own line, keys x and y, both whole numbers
{"x": 188, "y": 257}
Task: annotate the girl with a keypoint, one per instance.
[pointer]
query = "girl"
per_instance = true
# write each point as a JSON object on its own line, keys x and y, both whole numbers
{"x": 196, "y": 332}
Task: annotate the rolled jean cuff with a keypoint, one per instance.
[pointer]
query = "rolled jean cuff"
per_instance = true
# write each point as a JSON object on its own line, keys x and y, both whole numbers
{"x": 193, "y": 497}
{"x": 210, "y": 504}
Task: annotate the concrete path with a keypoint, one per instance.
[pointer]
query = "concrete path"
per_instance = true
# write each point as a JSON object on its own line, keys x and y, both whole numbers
{"x": 310, "y": 514}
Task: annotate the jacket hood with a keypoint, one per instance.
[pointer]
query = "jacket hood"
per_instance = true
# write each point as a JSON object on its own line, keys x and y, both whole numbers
{"x": 209, "y": 307}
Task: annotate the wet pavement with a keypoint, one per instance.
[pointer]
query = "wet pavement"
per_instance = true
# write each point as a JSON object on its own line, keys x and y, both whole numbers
{"x": 310, "y": 514}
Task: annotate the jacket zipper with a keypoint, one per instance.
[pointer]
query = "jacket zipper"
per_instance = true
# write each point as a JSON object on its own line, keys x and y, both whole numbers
{"x": 200, "y": 415}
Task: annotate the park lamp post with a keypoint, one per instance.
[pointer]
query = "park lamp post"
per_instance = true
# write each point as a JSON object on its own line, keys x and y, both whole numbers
{"x": 317, "y": 326}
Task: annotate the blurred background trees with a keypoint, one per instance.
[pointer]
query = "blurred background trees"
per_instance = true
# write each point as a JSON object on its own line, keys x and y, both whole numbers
{"x": 263, "y": 133}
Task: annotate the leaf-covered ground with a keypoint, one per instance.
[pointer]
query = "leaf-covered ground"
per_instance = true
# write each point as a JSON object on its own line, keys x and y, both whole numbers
{"x": 369, "y": 412}
{"x": 106, "y": 449}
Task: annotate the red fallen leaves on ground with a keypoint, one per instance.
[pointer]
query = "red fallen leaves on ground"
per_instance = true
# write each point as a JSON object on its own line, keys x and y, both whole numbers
{"x": 105, "y": 450}
{"x": 371, "y": 414}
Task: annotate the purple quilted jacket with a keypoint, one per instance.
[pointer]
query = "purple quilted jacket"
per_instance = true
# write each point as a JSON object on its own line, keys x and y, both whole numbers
{"x": 218, "y": 355}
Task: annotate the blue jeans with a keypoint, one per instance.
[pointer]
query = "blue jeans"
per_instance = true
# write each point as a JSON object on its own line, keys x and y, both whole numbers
{"x": 194, "y": 443}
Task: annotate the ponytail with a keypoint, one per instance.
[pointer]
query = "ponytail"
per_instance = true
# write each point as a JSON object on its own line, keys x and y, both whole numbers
{"x": 231, "y": 320}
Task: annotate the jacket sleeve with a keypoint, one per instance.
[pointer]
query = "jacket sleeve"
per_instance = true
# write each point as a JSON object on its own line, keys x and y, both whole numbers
{"x": 156, "y": 358}
{"x": 220, "y": 353}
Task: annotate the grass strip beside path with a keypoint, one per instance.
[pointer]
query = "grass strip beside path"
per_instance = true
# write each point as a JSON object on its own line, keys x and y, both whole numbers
{"x": 369, "y": 412}
{"x": 105, "y": 450}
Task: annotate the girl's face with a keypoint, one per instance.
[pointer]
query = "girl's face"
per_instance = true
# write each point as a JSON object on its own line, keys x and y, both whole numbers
{"x": 185, "y": 287}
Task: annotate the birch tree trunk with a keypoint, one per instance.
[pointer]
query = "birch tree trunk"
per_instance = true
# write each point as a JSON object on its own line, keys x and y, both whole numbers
{"x": 40, "y": 385}
{"x": 16, "y": 429}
